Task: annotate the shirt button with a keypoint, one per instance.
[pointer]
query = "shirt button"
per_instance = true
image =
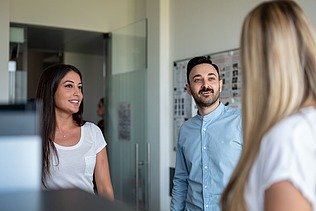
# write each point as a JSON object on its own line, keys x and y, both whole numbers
{"x": 205, "y": 167}
{"x": 205, "y": 186}
{"x": 204, "y": 147}
{"x": 204, "y": 129}
{"x": 206, "y": 205}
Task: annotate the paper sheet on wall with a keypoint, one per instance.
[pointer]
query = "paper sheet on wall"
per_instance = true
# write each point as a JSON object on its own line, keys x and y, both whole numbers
{"x": 182, "y": 100}
{"x": 124, "y": 121}
{"x": 228, "y": 63}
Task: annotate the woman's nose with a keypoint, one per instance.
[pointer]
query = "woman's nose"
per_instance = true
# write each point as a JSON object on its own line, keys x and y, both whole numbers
{"x": 77, "y": 91}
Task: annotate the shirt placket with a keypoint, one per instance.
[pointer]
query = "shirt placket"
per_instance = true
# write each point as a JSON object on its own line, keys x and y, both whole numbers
{"x": 205, "y": 167}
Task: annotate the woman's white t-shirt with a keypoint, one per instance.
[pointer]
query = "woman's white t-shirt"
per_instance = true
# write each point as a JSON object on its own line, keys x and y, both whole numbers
{"x": 287, "y": 153}
{"x": 76, "y": 163}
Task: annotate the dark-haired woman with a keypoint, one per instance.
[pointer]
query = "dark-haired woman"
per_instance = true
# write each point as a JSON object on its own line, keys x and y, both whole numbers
{"x": 73, "y": 150}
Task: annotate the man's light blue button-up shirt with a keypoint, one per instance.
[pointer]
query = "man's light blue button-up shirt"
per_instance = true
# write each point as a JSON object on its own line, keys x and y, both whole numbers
{"x": 208, "y": 149}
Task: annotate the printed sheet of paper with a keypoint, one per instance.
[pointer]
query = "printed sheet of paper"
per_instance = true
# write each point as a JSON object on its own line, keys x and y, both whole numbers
{"x": 228, "y": 63}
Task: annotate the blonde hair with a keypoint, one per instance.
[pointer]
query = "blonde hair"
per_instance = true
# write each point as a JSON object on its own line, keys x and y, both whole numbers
{"x": 278, "y": 58}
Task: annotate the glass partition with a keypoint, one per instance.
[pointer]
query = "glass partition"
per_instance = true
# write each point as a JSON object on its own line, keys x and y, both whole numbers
{"x": 126, "y": 115}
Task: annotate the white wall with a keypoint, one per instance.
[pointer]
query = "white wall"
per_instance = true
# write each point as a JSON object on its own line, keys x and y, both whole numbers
{"x": 93, "y": 15}
{"x": 153, "y": 101}
{"x": 207, "y": 26}
{"x": 166, "y": 102}
{"x": 159, "y": 101}
{"x": 4, "y": 52}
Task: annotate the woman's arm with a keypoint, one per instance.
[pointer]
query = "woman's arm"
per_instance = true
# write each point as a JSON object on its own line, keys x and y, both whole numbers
{"x": 102, "y": 175}
{"x": 284, "y": 196}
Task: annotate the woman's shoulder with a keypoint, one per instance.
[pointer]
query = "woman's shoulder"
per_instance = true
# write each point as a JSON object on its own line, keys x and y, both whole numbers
{"x": 287, "y": 151}
{"x": 292, "y": 137}
{"x": 90, "y": 129}
{"x": 89, "y": 126}
{"x": 296, "y": 124}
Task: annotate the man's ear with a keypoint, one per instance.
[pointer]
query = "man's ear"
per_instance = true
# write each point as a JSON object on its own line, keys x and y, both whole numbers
{"x": 187, "y": 86}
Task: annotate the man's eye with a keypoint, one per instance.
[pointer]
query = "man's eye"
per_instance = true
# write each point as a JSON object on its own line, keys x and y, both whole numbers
{"x": 197, "y": 80}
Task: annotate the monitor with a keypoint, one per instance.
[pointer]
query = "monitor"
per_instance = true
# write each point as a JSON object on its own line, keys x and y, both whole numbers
{"x": 20, "y": 148}
{"x": 20, "y": 119}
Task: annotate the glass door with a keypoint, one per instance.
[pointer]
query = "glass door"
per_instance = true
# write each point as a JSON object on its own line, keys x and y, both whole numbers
{"x": 126, "y": 116}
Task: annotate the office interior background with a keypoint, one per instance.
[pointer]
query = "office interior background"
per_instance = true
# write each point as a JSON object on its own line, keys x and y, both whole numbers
{"x": 140, "y": 90}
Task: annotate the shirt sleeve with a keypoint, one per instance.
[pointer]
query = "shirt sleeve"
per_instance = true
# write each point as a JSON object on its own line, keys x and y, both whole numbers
{"x": 100, "y": 142}
{"x": 289, "y": 154}
{"x": 180, "y": 184}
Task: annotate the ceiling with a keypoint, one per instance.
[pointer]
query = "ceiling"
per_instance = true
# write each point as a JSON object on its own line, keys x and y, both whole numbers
{"x": 48, "y": 39}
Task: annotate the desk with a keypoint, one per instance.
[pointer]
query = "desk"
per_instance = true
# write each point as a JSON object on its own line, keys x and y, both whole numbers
{"x": 58, "y": 200}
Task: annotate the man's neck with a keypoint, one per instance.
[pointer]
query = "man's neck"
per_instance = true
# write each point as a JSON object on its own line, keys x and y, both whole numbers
{"x": 207, "y": 110}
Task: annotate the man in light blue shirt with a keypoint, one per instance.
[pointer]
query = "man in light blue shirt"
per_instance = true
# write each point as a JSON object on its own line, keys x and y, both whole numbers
{"x": 209, "y": 144}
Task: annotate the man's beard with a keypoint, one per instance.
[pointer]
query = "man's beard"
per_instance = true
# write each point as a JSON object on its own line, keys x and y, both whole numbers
{"x": 204, "y": 103}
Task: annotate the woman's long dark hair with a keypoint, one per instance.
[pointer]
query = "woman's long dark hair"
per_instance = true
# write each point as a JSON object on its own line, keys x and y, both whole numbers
{"x": 45, "y": 93}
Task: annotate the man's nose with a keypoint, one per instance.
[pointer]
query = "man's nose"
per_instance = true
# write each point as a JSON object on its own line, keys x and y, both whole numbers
{"x": 205, "y": 83}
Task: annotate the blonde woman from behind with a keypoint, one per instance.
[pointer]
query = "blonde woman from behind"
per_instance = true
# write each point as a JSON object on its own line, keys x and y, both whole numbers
{"x": 277, "y": 168}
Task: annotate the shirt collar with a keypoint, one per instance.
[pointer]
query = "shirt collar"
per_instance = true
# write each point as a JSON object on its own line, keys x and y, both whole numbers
{"x": 214, "y": 114}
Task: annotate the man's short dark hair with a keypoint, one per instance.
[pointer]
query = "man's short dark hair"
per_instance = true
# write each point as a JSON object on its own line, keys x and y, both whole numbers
{"x": 199, "y": 60}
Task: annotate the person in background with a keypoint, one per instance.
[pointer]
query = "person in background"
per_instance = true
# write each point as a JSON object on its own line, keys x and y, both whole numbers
{"x": 277, "y": 168}
{"x": 73, "y": 150}
{"x": 209, "y": 143}
{"x": 101, "y": 113}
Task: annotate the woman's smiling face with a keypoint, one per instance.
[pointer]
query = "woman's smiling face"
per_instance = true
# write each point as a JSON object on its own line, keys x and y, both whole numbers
{"x": 68, "y": 96}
